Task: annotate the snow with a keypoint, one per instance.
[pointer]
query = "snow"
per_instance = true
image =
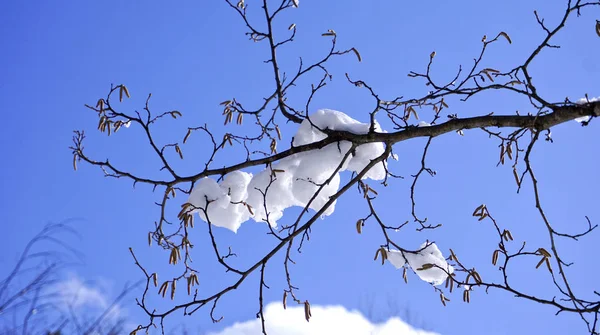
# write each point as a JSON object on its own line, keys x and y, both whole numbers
{"x": 292, "y": 181}
{"x": 585, "y": 101}
{"x": 295, "y": 180}
{"x": 225, "y": 208}
{"x": 428, "y": 254}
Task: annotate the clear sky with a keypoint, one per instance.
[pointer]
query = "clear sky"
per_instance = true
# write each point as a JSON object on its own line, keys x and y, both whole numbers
{"x": 58, "y": 55}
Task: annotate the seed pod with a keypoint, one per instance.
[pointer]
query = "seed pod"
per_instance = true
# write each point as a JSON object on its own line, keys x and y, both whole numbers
{"x": 505, "y": 35}
{"x": 163, "y": 289}
{"x": 359, "y": 225}
{"x": 174, "y": 256}
{"x": 516, "y": 175}
{"x": 250, "y": 209}
{"x": 184, "y": 210}
{"x": 284, "y": 299}
{"x": 118, "y": 125}
{"x": 178, "y": 150}
{"x": 540, "y": 262}
{"x": 307, "y": 313}
{"x": 101, "y": 123}
{"x": 377, "y": 254}
{"x": 155, "y": 279}
{"x": 475, "y": 213}
{"x": 150, "y": 239}
{"x": 548, "y": 264}
{"x": 453, "y": 256}
{"x": 495, "y": 256}
{"x": 75, "y": 162}
{"x": 467, "y": 296}
{"x": 173, "y": 289}
{"x": 425, "y": 266}
{"x": 100, "y": 105}
{"x": 187, "y": 135}
{"x": 443, "y": 299}
{"x": 357, "y": 54}
{"x": 507, "y": 235}
{"x": 383, "y": 255}
{"x": 544, "y": 252}
{"x": 185, "y": 243}
{"x": 404, "y": 276}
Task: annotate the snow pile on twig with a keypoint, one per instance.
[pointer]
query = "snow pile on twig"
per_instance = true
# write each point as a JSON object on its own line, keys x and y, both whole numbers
{"x": 292, "y": 181}
{"x": 435, "y": 273}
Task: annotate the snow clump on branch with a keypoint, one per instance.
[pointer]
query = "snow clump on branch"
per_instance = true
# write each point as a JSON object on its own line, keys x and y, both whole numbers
{"x": 428, "y": 253}
{"x": 292, "y": 181}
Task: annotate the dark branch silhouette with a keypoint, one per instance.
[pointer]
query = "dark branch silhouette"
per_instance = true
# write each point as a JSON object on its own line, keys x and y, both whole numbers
{"x": 516, "y": 134}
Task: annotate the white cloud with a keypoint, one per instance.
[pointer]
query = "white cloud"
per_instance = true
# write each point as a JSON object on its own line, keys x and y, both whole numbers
{"x": 325, "y": 320}
{"x": 81, "y": 297}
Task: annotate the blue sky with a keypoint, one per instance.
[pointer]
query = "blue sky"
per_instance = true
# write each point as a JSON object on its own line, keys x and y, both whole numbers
{"x": 191, "y": 55}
